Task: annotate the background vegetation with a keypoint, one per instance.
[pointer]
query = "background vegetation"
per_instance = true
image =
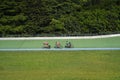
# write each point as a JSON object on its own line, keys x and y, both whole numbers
{"x": 59, "y": 16}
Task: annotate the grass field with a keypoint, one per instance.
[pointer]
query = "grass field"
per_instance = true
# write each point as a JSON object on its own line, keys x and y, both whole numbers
{"x": 60, "y": 65}
{"x": 113, "y": 42}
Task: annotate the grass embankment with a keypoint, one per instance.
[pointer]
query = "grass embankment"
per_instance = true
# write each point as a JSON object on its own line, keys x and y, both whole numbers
{"x": 60, "y": 65}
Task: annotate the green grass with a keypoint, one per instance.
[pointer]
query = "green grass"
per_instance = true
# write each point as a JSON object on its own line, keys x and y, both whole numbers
{"x": 113, "y": 42}
{"x": 60, "y": 65}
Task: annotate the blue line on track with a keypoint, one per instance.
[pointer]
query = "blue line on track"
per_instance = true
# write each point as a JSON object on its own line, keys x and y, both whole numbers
{"x": 57, "y": 49}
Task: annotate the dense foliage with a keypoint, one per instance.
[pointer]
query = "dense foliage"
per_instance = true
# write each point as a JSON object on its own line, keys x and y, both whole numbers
{"x": 59, "y": 16}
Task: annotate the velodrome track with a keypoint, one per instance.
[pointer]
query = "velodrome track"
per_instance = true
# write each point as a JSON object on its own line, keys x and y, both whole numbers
{"x": 102, "y": 42}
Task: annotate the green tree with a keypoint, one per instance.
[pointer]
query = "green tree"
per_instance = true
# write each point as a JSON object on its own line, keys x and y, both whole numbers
{"x": 55, "y": 26}
{"x": 11, "y": 17}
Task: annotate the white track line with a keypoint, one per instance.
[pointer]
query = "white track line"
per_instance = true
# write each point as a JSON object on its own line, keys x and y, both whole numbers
{"x": 46, "y": 38}
{"x": 61, "y": 49}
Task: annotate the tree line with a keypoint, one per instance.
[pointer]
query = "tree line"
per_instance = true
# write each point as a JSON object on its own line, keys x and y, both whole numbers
{"x": 59, "y": 17}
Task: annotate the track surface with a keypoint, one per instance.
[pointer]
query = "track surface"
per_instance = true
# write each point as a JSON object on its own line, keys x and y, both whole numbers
{"x": 103, "y": 42}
